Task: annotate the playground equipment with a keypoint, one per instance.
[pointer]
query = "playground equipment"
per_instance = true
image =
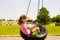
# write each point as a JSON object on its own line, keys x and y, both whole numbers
{"x": 41, "y": 36}
{"x": 43, "y": 32}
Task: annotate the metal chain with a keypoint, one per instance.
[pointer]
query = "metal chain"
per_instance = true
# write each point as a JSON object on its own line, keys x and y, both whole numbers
{"x": 28, "y": 7}
{"x": 38, "y": 5}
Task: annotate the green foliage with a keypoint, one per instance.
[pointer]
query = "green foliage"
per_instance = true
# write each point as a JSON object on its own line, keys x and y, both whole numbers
{"x": 54, "y": 19}
{"x": 10, "y": 20}
{"x": 43, "y": 16}
{"x": 58, "y": 18}
{"x": 2, "y": 19}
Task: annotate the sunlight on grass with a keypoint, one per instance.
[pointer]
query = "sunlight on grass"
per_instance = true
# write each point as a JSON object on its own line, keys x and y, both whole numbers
{"x": 14, "y": 29}
{"x": 53, "y": 29}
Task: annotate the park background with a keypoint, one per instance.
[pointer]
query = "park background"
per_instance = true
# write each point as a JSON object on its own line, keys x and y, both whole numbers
{"x": 11, "y": 10}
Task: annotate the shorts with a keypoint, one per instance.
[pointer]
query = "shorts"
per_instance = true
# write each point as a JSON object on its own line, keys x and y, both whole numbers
{"x": 30, "y": 33}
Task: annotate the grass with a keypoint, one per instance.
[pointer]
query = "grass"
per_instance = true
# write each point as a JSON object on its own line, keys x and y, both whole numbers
{"x": 9, "y": 30}
{"x": 15, "y": 29}
{"x": 52, "y": 29}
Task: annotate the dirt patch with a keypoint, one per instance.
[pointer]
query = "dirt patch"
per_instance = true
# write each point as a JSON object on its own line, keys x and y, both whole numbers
{"x": 53, "y": 38}
{"x": 20, "y": 38}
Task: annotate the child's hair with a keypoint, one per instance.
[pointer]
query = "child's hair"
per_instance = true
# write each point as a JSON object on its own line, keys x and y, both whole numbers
{"x": 20, "y": 19}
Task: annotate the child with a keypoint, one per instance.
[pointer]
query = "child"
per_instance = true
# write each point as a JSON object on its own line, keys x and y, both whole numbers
{"x": 23, "y": 25}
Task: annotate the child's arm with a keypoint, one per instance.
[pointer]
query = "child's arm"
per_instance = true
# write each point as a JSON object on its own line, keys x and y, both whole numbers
{"x": 31, "y": 27}
{"x": 26, "y": 26}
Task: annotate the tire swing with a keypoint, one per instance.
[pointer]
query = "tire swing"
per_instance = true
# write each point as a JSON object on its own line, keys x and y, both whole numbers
{"x": 41, "y": 36}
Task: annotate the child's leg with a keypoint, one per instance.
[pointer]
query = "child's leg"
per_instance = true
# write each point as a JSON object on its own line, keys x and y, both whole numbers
{"x": 36, "y": 29}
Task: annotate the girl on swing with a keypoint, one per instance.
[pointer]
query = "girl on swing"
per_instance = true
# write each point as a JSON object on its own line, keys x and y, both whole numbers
{"x": 24, "y": 27}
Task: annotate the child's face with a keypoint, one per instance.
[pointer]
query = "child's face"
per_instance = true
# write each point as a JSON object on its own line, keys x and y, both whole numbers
{"x": 24, "y": 20}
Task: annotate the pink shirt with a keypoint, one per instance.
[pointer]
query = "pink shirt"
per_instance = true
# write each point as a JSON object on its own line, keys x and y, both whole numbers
{"x": 24, "y": 29}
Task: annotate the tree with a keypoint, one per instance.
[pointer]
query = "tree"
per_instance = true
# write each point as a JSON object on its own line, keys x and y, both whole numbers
{"x": 43, "y": 16}
{"x": 54, "y": 19}
{"x": 10, "y": 20}
{"x": 58, "y": 18}
{"x": 2, "y": 19}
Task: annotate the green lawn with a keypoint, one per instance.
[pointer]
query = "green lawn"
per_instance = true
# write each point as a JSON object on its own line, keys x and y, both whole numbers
{"x": 14, "y": 29}
{"x": 53, "y": 29}
{"x": 8, "y": 30}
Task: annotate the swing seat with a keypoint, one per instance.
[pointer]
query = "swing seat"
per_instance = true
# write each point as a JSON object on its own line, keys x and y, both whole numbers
{"x": 41, "y": 36}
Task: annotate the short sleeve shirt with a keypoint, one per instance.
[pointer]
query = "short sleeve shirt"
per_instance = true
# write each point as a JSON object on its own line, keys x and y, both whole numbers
{"x": 24, "y": 29}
